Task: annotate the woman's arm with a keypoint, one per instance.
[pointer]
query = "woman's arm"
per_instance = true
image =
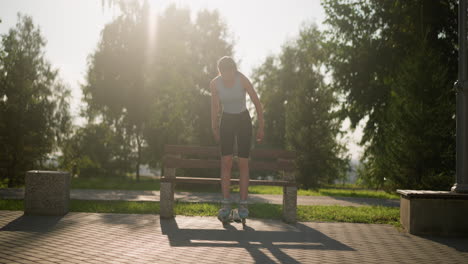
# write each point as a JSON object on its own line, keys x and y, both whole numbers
{"x": 258, "y": 106}
{"x": 214, "y": 110}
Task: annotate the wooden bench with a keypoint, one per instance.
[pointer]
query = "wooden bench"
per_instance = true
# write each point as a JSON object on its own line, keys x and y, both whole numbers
{"x": 181, "y": 156}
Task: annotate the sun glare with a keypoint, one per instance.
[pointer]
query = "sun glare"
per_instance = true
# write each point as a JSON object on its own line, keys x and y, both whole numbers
{"x": 152, "y": 28}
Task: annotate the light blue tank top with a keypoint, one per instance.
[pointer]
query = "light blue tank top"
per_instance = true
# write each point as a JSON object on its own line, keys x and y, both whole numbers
{"x": 232, "y": 98}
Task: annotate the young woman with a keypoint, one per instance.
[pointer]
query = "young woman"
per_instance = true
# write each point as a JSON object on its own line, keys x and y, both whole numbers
{"x": 228, "y": 91}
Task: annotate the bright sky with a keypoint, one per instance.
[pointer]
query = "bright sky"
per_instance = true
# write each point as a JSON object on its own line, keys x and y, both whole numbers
{"x": 72, "y": 30}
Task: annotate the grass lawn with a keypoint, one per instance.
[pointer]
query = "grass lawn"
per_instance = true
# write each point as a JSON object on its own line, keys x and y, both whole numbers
{"x": 348, "y": 214}
{"x": 146, "y": 183}
{"x": 323, "y": 192}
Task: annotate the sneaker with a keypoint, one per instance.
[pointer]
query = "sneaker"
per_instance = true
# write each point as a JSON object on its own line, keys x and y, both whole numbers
{"x": 243, "y": 210}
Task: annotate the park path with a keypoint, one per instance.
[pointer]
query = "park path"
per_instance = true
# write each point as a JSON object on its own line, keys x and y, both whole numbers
{"x": 145, "y": 238}
{"x": 127, "y": 195}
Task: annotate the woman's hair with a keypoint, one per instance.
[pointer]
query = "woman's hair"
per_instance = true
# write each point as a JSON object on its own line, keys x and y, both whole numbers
{"x": 226, "y": 63}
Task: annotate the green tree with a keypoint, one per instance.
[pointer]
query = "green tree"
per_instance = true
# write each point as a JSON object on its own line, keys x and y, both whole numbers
{"x": 209, "y": 42}
{"x": 95, "y": 150}
{"x": 299, "y": 109}
{"x": 149, "y": 77}
{"x": 34, "y": 109}
{"x": 395, "y": 63}
{"x": 271, "y": 82}
{"x": 184, "y": 62}
{"x": 116, "y": 76}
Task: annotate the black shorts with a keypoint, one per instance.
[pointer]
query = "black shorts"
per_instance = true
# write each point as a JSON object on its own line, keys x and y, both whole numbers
{"x": 235, "y": 125}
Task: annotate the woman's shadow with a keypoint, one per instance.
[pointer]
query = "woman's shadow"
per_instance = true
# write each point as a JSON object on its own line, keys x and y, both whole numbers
{"x": 298, "y": 236}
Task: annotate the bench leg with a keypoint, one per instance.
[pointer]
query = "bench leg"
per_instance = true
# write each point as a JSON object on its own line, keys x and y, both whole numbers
{"x": 290, "y": 204}
{"x": 166, "y": 200}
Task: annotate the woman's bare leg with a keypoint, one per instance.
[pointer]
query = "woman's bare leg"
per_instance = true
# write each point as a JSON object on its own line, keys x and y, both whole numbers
{"x": 226, "y": 166}
{"x": 244, "y": 177}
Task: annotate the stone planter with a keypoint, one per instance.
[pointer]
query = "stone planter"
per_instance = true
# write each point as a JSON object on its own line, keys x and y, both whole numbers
{"x": 47, "y": 192}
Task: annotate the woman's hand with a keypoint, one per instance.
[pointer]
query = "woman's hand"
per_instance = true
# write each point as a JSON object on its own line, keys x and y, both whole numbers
{"x": 258, "y": 106}
{"x": 260, "y": 134}
{"x": 214, "y": 111}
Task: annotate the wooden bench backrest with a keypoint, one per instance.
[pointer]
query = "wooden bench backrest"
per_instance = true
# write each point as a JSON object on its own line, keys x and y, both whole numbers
{"x": 181, "y": 156}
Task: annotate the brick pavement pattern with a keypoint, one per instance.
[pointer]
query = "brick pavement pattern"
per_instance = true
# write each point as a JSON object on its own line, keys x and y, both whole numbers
{"x": 144, "y": 238}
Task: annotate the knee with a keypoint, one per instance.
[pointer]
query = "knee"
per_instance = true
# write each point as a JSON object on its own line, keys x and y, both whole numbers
{"x": 243, "y": 163}
{"x": 226, "y": 162}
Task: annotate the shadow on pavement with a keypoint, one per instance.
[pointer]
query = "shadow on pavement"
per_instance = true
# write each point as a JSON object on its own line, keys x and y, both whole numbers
{"x": 299, "y": 236}
{"x": 32, "y": 228}
{"x": 458, "y": 243}
{"x": 33, "y": 223}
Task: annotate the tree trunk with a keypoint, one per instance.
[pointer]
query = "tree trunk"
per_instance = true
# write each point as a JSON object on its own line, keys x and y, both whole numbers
{"x": 138, "y": 155}
{"x": 9, "y": 176}
{"x": 12, "y": 173}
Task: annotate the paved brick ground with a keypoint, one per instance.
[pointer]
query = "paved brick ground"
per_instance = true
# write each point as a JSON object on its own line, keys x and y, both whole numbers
{"x": 131, "y": 238}
{"x": 127, "y": 195}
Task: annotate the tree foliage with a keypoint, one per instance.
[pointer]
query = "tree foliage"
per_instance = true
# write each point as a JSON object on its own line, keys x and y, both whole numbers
{"x": 148, "y": 78}
{"x": 96, "y": 150}
{"x": 299, "y": 111}
{"x": 395, "y": 63}
{"x": 34, "y": 115}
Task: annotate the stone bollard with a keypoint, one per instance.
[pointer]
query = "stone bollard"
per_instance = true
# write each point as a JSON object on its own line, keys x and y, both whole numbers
{"x": 166, "y": 209}
{"x": 289, "y": 199}
{"x": 46, "y": 192}
{"x": 290, "y": 204}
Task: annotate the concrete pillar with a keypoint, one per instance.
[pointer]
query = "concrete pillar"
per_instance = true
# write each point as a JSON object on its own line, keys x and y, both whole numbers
{"x": 289, "y": 199}
{"x": 166, "y": 199}
{"x": 290, "y": 204}
{"x": 166, "y": 204}
{"x": 461, "y": 184}
{"x": 47, "y": 192}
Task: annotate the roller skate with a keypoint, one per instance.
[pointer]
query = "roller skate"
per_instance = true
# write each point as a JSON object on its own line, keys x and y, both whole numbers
{"x": 235, "y": 215}
{"x": 243, "y": 211}
{"x": 224, "y": 214}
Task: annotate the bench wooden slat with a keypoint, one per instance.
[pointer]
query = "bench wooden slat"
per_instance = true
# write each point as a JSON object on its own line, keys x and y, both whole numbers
{"x": 272, "y": 154}
{"x": 218, "y": 180}
{"x": 284, "y": 165}
{"x": 191, "y": 150}
{"x": 172, "y": 162}
{"x": 213, "y": 152}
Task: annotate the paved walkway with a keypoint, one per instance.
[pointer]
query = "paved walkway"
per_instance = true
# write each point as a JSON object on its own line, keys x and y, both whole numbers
{"x": 133, "y": 238}
{"x": 87, "y": 194}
